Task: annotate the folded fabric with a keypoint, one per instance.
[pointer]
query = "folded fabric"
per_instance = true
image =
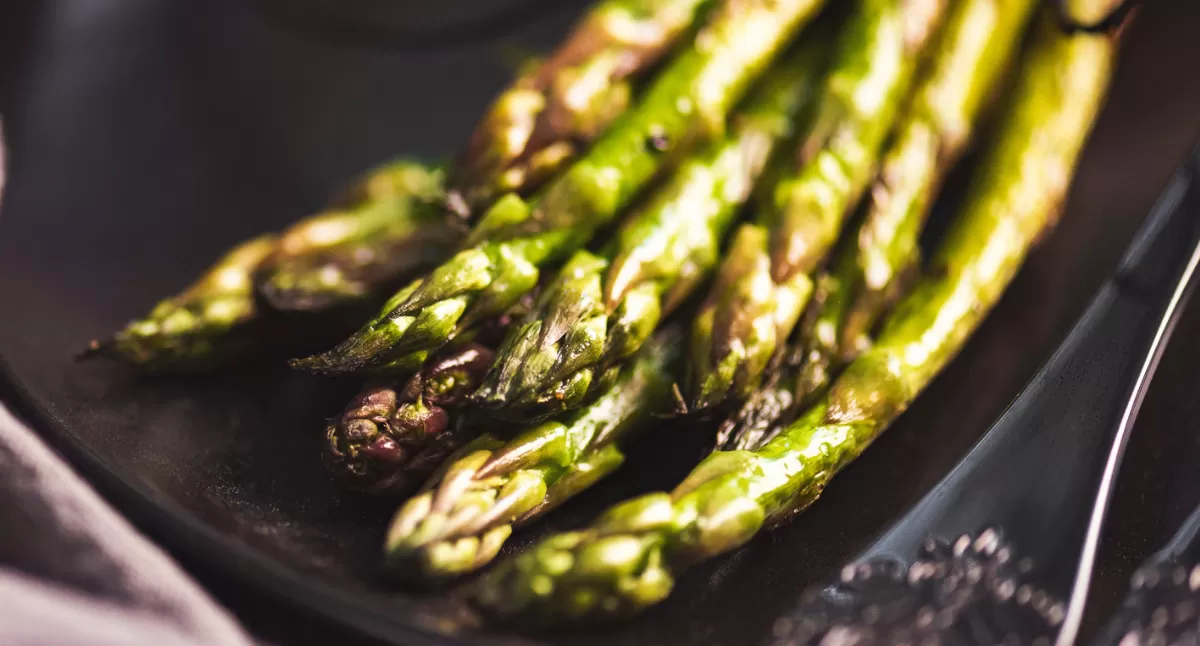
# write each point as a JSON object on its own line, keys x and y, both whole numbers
{"x": 73, "y": 572}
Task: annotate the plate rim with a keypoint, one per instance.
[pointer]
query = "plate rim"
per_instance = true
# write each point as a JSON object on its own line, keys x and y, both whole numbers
{"x": 188, "y": 539}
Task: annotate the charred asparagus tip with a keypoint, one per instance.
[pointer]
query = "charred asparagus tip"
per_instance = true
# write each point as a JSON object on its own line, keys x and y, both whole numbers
{"x": 386, "y": 435}
{"x": 366, "y": 457}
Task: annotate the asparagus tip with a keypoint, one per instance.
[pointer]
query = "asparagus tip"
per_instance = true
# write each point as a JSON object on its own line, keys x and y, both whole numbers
{"x": 352, "y": 356}
{"x": 364, "y": 458}
{"x": 575, "y": 577}
{"x": 420, "y": 549}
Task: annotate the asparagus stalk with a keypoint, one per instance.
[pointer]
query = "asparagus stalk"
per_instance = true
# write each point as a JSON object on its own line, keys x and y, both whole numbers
{"x": 629, "y": 557}
{"x": 385, "y": 228}
{"x": 199, "y": 327}
{"x": 506, "y": 251}
{"x": 764, "y": 283}
{"x": 603, "y": 306}
{"x": 538, "y": 125}
{"x": 964, "y": 69}
{"x": 389, "y": 436}
{"x": 465, "y": 514}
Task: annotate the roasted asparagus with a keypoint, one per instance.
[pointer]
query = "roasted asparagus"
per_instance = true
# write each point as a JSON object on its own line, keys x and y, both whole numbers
{"x": 628, "y": 558}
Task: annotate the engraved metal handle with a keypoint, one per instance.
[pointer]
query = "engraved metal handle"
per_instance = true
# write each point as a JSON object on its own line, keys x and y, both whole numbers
{"x": 1163, "y": 604}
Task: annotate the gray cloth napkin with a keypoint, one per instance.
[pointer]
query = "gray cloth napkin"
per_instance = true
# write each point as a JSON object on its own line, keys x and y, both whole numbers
{"x": 73, "y": 572}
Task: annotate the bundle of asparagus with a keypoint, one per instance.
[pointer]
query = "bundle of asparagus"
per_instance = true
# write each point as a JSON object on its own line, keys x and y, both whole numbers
{"x": 604, "y": 305}
{"x": 392, "y": 222}
{"x": 506, "y": 251}
{"x": 764, "y": 283}
{"x": 661, "y": 253}
{"x": 964, "y": 69}
{"x": 509, "y": 376}
{"x": 463, "y": 520}
{"x": 629, "y": 558}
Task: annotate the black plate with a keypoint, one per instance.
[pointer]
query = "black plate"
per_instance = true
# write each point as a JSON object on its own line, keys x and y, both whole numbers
{"x": 146, "y": 136}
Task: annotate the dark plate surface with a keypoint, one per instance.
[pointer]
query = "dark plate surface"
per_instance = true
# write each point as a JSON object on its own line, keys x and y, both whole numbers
{"x": 146, "y": 136}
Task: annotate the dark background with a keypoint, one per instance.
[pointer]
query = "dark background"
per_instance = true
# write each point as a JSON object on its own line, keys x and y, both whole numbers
{"x": 145, "y": 136}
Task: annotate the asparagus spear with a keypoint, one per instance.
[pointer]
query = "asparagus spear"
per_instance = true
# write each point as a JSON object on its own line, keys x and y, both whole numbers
{"x": 964, "y": 70}
{"x": 764, "y": 283}
{"x": 394, "y": 433}
{"x": 464, "y": 515}
{"x": 505, "y": 252}
{"x": 603, "y": 306}
{"x": 388, "y": 436}
{"x": 629, "y": 557}
{"x": 385, "y": 228}
{"x": 538, "y": 124}
{"x": 201, "y": 326}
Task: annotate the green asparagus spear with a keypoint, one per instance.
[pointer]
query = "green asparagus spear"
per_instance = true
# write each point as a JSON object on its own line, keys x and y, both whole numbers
{"x": 964, "y": 70}
{"x": 387, "y": 437}
{"x": 628, "y": 559}
{"x": 202, "y": 325}
{"x": 603, "y": 306}
{"x": 464, "y": 515}
{"x": 764, "y": 284}
{"x": 539, "y": 124}
{"x": 388, "y": 226}
{"x": 506, "y": 251}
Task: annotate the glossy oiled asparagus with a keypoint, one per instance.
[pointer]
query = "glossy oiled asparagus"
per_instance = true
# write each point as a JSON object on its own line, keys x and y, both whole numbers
{"x": 384, "y": 229}
{"x": 628, "y": 559}
{"x": 461, "y": 520}
{"x": 390, "y": 437}
{"x": 604, "y": 305}
{"x": 964, "y": 70}
{"x": 539, "y": 124}
{"x": 201, "y": 326}
{"x": 506, "y": 251}
{"x": 764, "y": 283}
